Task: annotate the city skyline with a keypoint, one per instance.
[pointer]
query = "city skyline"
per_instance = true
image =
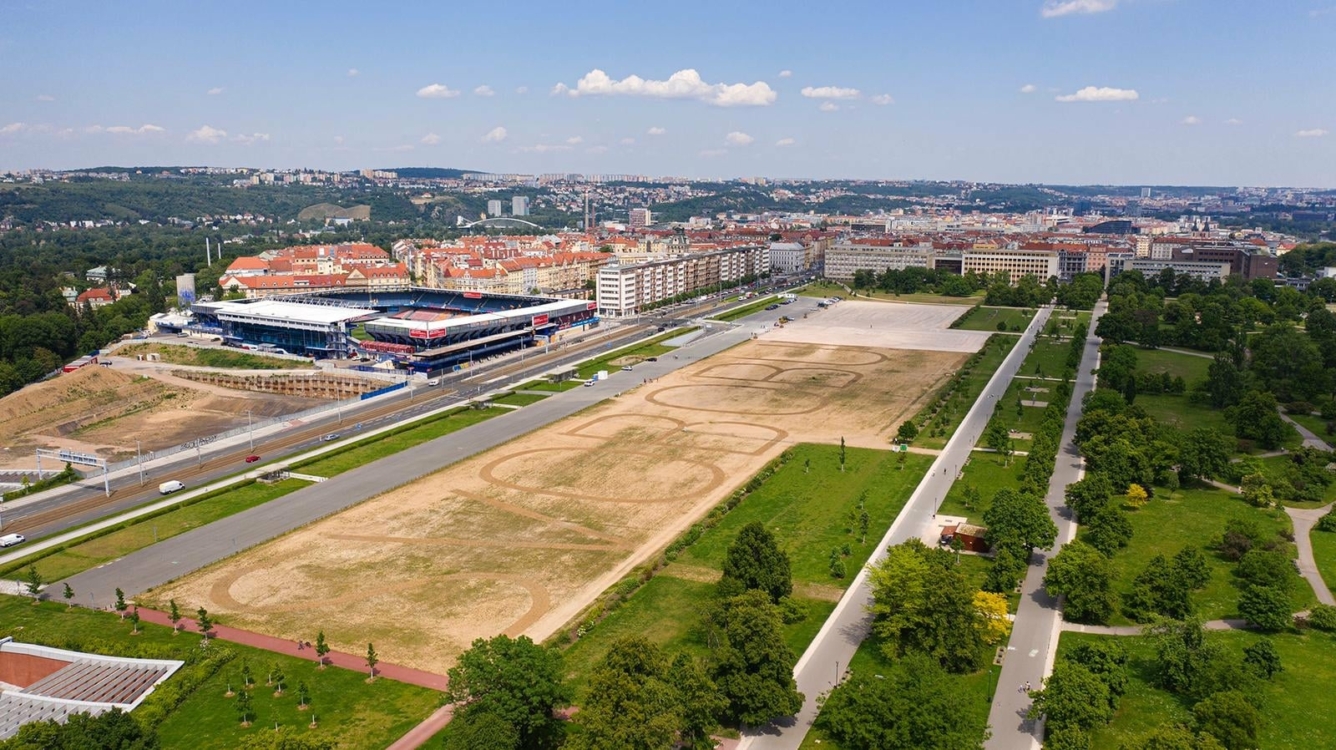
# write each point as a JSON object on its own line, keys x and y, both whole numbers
{"x": 1057, "y": 91}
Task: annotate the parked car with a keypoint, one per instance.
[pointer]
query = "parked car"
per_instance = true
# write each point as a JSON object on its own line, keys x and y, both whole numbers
{"x": 252, "y": 458}
{"x": 9, "y": 540}
{"x": 772, "y": 307}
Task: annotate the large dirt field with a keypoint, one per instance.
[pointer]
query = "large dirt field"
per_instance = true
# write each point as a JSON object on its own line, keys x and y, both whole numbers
{"x": 521, "y": 538}
{"x": 103, "y": 410}
{"x": 883, "y": 324}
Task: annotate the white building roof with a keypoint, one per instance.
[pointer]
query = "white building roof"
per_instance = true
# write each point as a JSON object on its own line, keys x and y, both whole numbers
{"x": 291, "y": 311}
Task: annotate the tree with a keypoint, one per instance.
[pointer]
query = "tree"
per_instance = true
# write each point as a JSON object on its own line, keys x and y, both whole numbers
{"x": 998, "y": 438}
{"x": 203, "y": 621}
{"x": 907, "y": 432}
{"x": 514, "y": 679}
{"x": 1230, "y": 718}
{"x": 1203, "y": 453}
{"x": 32, "y": 583}
{"x": 174, "y": 614}
{"x": 1073, "y": 698}
{"x": 1021, "y": 519}
{"x": 1190, "y": 661}
{"x": 753, "y": 666}
{"x": 992, "y": 621}
{"x": 303, "y": 696}
{"x": 1255, "y": 418}
{"x": 1082, "y": 574}
{"x": 914, "y": 705}
{"x": 278, "y": 679}
{"x": 68, "y": 593}
{"x": 841, "y": 454}
{"x": 1257, "y": 491}
{"x": 321, "y": 648}
{"x": 134, "y": 621}
{"x": 1090, "y": 494}
{"x": 481, "y": 730}
{"x": 922, "y": 602}
{"x": 1266, "y": 607}
{"x": 701, "y": 702}
{"x": 112, "y": 730}
{"x": 1263, "y": 659}
{"x": 1108, "y": 530}
{"x": 247, "y": 680}
{"x": 121, "y": 606}
{"x": 1173, "y": 737}
{"x": 1137, "y": 496}
{"x": 1225, "y": 382}
{"x": 1107, "y": 660}
{"x": 245, "y": 712}
{"x": 372, "y": 659}
{"x": 755, "y": 561}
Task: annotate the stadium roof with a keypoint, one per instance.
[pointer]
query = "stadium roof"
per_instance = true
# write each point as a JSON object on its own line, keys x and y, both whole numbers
{"x": 292, "y": 311}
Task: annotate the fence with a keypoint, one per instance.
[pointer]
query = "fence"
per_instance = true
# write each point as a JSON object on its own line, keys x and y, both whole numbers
{"x": 381, "y": 391}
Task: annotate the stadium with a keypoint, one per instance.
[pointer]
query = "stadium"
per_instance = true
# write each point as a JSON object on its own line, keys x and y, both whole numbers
{"x": 418, "y": 329}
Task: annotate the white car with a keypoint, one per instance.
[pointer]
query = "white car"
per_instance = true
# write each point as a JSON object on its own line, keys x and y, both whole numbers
{"x": 9, "y": 540}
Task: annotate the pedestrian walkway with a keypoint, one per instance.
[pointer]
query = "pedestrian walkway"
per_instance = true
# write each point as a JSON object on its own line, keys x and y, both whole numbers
{"x": 1304, "y": 521}
{"x": 1128, "y": 630}
{"x": 1310, "y": 440}
{"x": 357, "y": 663}
{"x": 422, "y": 733}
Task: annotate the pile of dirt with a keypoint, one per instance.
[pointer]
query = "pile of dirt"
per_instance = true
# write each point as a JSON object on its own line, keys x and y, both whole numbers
{"x": 59, "y": 405}
{"x": 327, "y": 211}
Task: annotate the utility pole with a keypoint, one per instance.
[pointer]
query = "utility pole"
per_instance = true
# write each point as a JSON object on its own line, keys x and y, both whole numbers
{"x": 139, "y": 458}
{"x": 251, "y": 429}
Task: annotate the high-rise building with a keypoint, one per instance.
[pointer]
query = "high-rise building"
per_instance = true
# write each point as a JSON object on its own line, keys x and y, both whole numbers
{"x": 494, "y": 208}
{"x": 519, "y": 206}
{"x": 639, "y": 218}
{"x": 1145, "y": 193}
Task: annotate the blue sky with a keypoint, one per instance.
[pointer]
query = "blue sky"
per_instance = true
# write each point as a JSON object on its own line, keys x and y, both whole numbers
{"x": 1218, "y": 92}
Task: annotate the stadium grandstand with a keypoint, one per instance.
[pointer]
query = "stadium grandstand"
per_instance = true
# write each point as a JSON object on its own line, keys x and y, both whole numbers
{"x": 38, "y": 683}
{"x": 417, "y": 329}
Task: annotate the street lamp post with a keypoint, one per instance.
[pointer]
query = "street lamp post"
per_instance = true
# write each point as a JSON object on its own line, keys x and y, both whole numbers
{"x": 139, "y": 458}
{"x": 250, "y": 428}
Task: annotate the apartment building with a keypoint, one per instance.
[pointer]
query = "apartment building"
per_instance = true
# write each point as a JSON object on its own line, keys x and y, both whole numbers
{"x": 876, "y": 255}
{"x": 1201, "y": 269}
{"x": 628, "y": 289}
{"x": 1042, "y": 264}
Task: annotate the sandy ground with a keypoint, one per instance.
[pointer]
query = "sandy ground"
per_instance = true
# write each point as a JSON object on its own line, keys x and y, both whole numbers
{"x": 104, "y": 410}
{"x": 520, "y": 539}
{"x": 879, "y": 325}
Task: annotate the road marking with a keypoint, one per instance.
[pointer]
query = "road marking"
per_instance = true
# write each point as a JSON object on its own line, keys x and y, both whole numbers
{"x": 1033, "y": 651}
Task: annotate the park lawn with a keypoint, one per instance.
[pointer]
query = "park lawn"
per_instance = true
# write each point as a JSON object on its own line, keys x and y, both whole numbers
{"x": 955, "y": 409}
{"x": 986, "y": 473}
{"x": 1179, "y": 412}
{"x": 669, "y": 612}
{"x": 870, "y": 659}
{"x": 1274, "y": 467}
{"x": 745, "y": 310}
{"x": 519, "y": 399}
{"x": 823, "y": 290}
{"x": 375, "y": 448}
{"x": 1298, "y": 705}
{"x": 651, "y": 348}
{"x": 987, "y": 318}
{"x": 923, "y": 298}
{"x": 1194, "y": 517}
{"x": 1047, "y": 358}
{"x": 144, "y": 532}
{"x": 350, "y": 711}
{"x": 1324, "y": 553}
{"x": 1315, "y": 424}
{"x": 1186, "y": 366}
{"x": 810, "y": 513}
{"x": 542, "y": 385}
{"x": 1024, "y": 418}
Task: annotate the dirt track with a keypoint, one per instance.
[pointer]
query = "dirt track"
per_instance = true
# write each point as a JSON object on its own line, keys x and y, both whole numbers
{"x": 521, "y": 538}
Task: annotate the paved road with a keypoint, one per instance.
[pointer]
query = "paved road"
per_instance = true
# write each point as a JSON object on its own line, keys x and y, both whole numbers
{"x": 1310, "y": 440}
{"x": 828, "y": 656}
{"x": 175, "y": 557}
{"x": 1034, "y": 634}
{"x": 1304, "y": 521}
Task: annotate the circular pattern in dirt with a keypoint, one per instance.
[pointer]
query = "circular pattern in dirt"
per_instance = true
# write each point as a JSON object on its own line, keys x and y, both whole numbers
{"x": 599, "y": 474}
{"x": 753, "y": 400}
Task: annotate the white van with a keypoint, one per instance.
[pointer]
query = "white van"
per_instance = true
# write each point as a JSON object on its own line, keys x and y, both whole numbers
{"x": 9, "y": 540}
{"x": 167, "y": 488}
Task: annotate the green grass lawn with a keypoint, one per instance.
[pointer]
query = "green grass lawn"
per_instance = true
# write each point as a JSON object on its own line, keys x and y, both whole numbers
{"x": 749, "y": 309}
{"x": 921, "y": 297}
{"x": 808, "y": 514}
{"x": 1191, "y": 369}
{"x": 987, "y": 319}
{"x": 519, "y": 399}
{"x": 1298, "y": 705}
{"x": 1194, "y": 517}
{"x": 1047, "y": 358}
{"x": 372, "y": 449}
{"x": 868, "y": 659}
{"x": 1276, "y": 467}
{"x": 1324, "y": 552}
{"x": 986, "y": 474}
{"x": 142, "y": 533}
{"x": 350, "y": 711}
{"x": 939, "y": 430}
{"x": 1315, "y": 424}
{"x": 651, "y": 348}
{"x": 542, "y": 385}
{"x": 1179, "y": 412}
{"x": 212, "y": 357}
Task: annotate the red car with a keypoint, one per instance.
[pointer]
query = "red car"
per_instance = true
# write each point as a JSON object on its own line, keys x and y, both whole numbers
{"x": 252, "y": 459}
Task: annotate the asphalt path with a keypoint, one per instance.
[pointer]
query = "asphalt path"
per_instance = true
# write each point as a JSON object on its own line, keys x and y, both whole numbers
{"x": 822, "y": 666}
{"x": 179, "y": 555}
{"x": 1038, "y": 623}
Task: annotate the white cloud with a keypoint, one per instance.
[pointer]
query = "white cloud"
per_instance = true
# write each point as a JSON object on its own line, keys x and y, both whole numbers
{"x": 1101, "y": 94}
{"x": 495, "y": 135}
{"x": 1192, "y": 120}
{"x": 1233, "y": 121}
{"x": 522, "y": 90}
{"x": 353, "y": 72}
{"x": 785, "y": 142}
{"x": 206, "y": 134}
{"x": 786, "y": 74}
{"x": 1313, "y": 133}
{"x": 575, "y": 140}
{"x": 127, "y": 130}
{"x": 436, "y": 91}
{"x": 596, "y": 149}
{"x": 45, "y": 98}
{"x": 12, "y": 128}
{"x": 1059, "y": 8}
{"x": 830, "y": 92}
{"x": 828, "y": 107}
{"x": 628, "y": 141}
{"x": 431, "y": 139}
{"x": 712, "y": 152}
{"x": 484, "y": 90}
{"x": 883, "y": 99}
{"x": 253, "y": 138}
{"x": 684, "y": 84}
{"x": 1028, "y": 88}
{"x": 738, "y": 138}
{"x": 543, "y": 148}
{"x": 215, "y": 91}
{"x": 656, "y": 130}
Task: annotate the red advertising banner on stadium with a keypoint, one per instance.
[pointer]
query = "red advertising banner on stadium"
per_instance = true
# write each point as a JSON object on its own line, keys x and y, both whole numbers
{"x": 383, "y": 346}
{"x": 472, "y": 295}
{"x": 540, "y": 320}
{"x": 592, "y": 306}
